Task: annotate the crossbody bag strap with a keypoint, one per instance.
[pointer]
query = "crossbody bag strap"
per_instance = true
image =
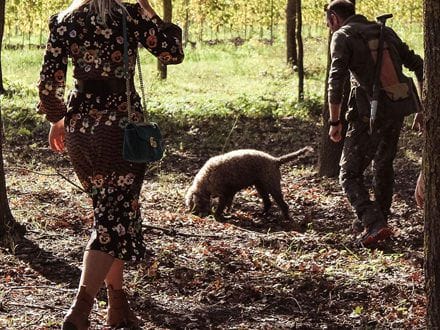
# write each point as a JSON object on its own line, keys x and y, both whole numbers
{"x": 141, "y": 82}
{"x": 127, "y": 74}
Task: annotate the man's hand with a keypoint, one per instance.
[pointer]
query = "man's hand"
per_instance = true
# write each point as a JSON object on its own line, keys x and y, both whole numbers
{"x": 418, "y": 122}
{"x": 57, "y": 136}
{"x": 335, "y": 133}
{"x": 419, "y": 193}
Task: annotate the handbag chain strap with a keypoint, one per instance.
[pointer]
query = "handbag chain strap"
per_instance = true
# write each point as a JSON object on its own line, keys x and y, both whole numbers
{"x": 127, "y": 74}
{"x": 141, "y": 82}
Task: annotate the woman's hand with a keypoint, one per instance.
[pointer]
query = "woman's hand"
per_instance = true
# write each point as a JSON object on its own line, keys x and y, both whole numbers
{"x": 418, "y": 122}
{"x": 145, "y": 5}
{"x": 419, "y": 194}
{"x": 57, "y": 136}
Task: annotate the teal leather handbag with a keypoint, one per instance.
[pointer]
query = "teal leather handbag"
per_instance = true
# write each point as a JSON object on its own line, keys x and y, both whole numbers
{"x": 142, "y": 141}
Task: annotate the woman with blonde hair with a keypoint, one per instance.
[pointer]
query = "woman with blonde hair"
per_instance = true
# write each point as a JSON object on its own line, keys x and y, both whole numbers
{"x": 90, "y": 125}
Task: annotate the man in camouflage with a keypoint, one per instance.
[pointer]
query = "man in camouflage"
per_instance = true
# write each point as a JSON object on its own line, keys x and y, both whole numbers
{"x": 351, "y": 53}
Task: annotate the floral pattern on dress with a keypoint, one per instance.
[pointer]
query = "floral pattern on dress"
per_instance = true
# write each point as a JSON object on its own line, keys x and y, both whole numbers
{"x": 94, "y": 123}
{"x": 118, "y": 222}
{"x": 97, "y": 50}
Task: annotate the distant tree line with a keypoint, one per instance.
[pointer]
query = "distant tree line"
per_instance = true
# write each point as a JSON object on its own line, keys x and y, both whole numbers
{"x": 205, "y": 20}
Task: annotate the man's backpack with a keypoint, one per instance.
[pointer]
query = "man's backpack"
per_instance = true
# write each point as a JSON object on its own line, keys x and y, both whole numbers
{"x": 398, "y": 93}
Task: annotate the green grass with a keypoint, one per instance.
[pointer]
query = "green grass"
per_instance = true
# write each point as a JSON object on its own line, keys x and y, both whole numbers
{"x": 221, "y": 80}
{"x": 218, "y": 80}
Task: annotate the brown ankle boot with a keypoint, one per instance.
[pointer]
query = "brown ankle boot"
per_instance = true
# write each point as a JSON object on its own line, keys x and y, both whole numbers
{"x": 78, "y": 314}
{"x": 119, "y": 313}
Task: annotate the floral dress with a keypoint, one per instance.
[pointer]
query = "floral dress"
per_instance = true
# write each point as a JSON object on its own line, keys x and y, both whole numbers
{"x": 94, "y": 122}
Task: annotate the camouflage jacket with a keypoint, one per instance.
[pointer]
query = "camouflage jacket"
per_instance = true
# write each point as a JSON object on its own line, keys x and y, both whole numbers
{"x": 350, "y": 53}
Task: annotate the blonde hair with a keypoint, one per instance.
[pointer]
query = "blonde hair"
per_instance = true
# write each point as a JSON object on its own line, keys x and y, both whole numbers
{"x": 103, "y": 8}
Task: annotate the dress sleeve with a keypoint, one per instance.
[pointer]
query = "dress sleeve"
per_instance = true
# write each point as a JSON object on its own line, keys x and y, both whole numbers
{"x": 163, "y": 40}
{"x": 52, "y": 81}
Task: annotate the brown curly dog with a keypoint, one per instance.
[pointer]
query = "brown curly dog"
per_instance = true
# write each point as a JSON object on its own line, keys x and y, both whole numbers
{"x": 223, "y": 176}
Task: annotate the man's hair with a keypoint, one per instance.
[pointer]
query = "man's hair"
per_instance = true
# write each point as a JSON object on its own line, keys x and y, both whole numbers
{"x": 343, "y": 8}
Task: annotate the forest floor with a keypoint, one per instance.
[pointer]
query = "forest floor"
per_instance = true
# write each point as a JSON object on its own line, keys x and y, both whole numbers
{"x": 248, "y": 272}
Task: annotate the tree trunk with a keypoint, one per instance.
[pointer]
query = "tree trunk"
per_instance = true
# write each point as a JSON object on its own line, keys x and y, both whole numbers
{"x": 167, "y": 17}
{"x": 245, "y": 21}
{"x": 271, "y": 21}
{"x": 10, "y": 231}
{"x": 2, "y": 28}
{"x": 186, "y": 25}
{"x": 300, "y": 51}
{"x": 431, "y": 161}
{"x": 329, "y": 151}
{"x": 292, "y": 55}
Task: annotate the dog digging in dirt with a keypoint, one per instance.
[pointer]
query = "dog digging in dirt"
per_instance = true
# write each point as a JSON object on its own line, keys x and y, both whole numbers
{"x": 224, "y": 175}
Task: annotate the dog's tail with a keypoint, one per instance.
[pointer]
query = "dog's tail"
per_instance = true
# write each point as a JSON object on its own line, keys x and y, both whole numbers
{"x": 295, "y": 155}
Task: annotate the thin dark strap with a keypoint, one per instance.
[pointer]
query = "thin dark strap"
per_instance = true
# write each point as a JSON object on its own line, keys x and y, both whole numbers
{"x": 126, "y": 71}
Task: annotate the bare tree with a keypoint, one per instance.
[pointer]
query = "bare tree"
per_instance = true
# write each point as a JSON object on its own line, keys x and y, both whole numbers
{"x": 291, "y": 51}
{"x": 271, "y": 22}
{"x": 294, "y": 42}
{"x": 167, "y": 17}
{"x": 186, "y": 24}
{"x": 10, "y": 230}
{"x": 431, "y": 161}
{"x": 299, "y": 41}
{"x": 2, "y": 28}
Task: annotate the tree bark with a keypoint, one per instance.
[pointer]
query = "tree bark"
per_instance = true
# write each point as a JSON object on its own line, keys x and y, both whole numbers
{"x": 431, "y": 161}
{"x": 329, "y": 151}
{"x": 2, "y": 28}
{"x": 186, "y": 24}
{"x": 292, "y": 55}
{"x": 167, "y": 17}
{"x": 10, "y": 231}
{"x": 6, "y": 218}
{"x": 271, "y": 22}
{"x": 299, "y": 41}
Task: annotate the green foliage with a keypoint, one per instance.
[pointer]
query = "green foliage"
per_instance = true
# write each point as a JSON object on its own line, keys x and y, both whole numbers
{"x": 18, "y": 110}
{"x": 213, "y": 82}
{"x": 26, "y": 21}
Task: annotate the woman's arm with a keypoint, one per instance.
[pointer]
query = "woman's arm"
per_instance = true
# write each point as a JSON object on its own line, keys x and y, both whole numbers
{"x": 52, "y": 82}
{"x": 419, "y": 193}
{"x": 147, "y": 9}
{"x": 163, "y": 40}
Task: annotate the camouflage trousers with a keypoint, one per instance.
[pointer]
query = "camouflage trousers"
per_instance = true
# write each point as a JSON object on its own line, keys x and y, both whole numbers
{"x": 360, "y": 149}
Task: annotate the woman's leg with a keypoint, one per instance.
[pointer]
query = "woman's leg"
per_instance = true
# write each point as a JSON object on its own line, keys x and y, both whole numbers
{"x": 119, "y": 312}
{"x": 114, "y": 276}
{"x": 96, "y": 265}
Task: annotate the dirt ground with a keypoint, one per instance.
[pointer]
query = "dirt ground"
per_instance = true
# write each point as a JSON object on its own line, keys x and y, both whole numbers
{"x": 248, "y": 272}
